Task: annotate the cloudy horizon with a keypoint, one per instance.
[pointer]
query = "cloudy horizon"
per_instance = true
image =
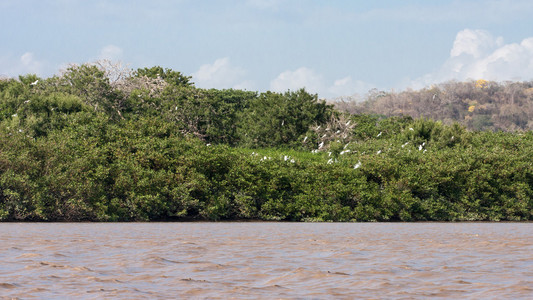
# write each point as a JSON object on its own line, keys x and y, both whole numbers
{"x": 331, "y": 48}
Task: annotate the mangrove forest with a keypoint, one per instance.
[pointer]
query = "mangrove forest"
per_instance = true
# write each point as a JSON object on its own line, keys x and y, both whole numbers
{"x": 104, "y": 143}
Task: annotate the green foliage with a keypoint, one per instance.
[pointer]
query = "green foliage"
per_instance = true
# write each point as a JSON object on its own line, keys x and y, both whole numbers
{"x": 80, "y": 148}
{"x": 92, "y": 85}
{"x": 212, "y": 115}
{"x": 275, "y": 119}
{"x": 168, "y": 75}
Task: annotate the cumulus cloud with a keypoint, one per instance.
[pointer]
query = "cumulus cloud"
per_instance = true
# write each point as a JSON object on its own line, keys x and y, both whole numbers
{"x": 477, "y": 54}
{"x": 297, "y": 79}
{"x": 315, "y": 83}
{"x": 221, "y": 75}
{"x": 110, "y": 52}
{"x": 348, "y": 86}
{"x": 476, "y": 43}
{"x": 27, "y": 63}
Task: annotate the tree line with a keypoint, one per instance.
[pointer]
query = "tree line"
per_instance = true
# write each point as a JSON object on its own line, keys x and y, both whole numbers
{"x": 101, "y": 142}
{"x": 477, "y": 105}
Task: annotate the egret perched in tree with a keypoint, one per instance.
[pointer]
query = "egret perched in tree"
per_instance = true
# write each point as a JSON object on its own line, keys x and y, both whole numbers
{"x": 35, "y": 82}
{"x": 357, "y": 165}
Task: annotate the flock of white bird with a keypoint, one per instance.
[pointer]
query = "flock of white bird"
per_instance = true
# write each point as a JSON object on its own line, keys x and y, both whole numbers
{"x": 332, "y": 160}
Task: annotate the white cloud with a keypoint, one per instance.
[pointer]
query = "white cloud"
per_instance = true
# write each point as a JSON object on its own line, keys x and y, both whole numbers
{"x": 474, "y": 42}
{"x": 315, "y": 83}
{"x": 25, "y": 64}
{"x": 477, "y": 54}
{"x": 31, "y": 65}
{"x": 221, "y": 75}
{"x": 347, "y": 86}
{"x": 110, "y": 52}
{"x": 295, "y": 80}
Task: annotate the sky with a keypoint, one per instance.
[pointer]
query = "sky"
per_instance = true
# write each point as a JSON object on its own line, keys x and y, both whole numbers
{"x": 335, "y": 48}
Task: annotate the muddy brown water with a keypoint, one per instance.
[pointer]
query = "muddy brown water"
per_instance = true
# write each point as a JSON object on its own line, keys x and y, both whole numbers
{"x": 266, "y": 260}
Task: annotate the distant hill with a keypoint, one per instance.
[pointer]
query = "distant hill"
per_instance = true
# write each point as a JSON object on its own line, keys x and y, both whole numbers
{"x": 478, "y": 105}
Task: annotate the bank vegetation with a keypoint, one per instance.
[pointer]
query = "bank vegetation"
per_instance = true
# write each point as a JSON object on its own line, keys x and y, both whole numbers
{"x": 104, "y": 143}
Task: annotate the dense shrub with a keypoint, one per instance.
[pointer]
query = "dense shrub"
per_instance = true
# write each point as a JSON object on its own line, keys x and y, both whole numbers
{"x": 79, "y": 147}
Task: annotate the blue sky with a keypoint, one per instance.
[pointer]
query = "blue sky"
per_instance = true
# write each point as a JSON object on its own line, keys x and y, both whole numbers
{"x": 333, "y": 48}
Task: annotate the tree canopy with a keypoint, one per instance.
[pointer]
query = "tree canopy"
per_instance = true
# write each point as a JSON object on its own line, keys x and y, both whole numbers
{"x": 121, "y": 145}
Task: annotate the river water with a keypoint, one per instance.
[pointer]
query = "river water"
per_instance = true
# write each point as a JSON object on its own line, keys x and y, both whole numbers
{"x": 266, "y": 260}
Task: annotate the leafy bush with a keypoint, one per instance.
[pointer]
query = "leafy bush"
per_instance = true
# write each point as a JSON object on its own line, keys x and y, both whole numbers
{"x": 80, "y": 147}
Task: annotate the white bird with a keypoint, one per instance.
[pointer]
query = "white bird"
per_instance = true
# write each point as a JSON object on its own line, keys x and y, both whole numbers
{"x": 357, "y": 165}
{"x": 346, "y": 145}
{"x": 286, "y": 158}
{"x": 405, "y": 144}
{"x": 293, "y": 161}
{"x": 379, "y": 151}
{"x": 305, "y": 139}
{"x": 330, "y": 161}
{"x": 411, "y": 128}
{"x": 337, "y": 132}
{"x": 329, "y": 153}
{"x": 320, "y": 145}
{"x": 348, "y": 123}
{"x": 208, "y": 145}
{"x": 379, "y": 134}
{"x": 35, "y": 82}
